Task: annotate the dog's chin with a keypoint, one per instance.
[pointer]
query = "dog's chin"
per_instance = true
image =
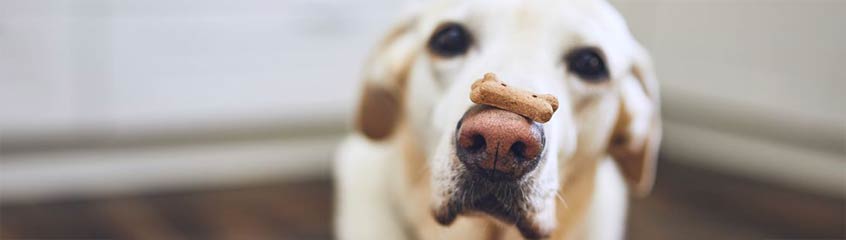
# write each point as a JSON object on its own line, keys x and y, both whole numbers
{"x": 509, "y": 202}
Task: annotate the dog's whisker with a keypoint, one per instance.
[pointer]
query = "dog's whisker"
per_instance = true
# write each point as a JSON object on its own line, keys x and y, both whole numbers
{"x": 561, "y": 198}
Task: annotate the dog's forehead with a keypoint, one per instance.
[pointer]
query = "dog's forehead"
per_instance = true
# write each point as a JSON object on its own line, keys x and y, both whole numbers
{"x": 597, "y": 12}
{"x": 569, "y": 22}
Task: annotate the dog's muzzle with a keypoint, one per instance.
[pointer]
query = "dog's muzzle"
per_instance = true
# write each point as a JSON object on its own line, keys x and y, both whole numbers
{"x": 498, "y": 144}
{"x": 498, "y": 149}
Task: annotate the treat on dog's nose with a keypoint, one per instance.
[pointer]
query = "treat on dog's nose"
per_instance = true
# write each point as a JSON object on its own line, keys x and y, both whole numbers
{"x": 490, "y": 91}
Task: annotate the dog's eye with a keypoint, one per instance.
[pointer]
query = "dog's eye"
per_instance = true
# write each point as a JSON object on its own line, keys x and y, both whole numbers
{"x": 450, "y": 40}
{"x": 587, "y": 63}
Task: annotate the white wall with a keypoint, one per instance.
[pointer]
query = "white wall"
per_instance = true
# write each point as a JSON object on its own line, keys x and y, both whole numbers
{"x": 776, "y": 54}
{"x": 142, "y": 65}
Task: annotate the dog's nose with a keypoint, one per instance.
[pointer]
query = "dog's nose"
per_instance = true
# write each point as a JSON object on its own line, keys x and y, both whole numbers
{"x": 498, "y": 144}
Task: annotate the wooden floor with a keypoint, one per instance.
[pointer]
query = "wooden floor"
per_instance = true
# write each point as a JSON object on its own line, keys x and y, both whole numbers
{"x": 687, "y": 203}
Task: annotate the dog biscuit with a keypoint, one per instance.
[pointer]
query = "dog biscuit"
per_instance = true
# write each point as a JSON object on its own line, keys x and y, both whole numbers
{"x": 490, "y": 91}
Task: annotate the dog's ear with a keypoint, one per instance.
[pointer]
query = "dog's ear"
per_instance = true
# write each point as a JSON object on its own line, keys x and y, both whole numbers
{"x": 637, "y": 134}
{"x": 385, "y": 77}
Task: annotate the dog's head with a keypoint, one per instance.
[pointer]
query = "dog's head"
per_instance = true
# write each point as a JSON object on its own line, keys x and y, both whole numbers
{"x": 494, "y": 162}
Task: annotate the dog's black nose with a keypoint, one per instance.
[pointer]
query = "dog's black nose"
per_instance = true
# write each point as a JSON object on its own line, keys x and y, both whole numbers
{"x": 498, "y": 144}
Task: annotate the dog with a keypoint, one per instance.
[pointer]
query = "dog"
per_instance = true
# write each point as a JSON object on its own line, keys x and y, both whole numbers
{"x": 424, "y": 162}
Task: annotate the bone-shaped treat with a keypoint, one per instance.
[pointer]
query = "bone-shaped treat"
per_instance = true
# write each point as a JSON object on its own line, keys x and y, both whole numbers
{"x": 490, "y": 91}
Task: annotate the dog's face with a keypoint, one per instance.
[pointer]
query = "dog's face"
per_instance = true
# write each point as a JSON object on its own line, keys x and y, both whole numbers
{"x": 488, "y": 161}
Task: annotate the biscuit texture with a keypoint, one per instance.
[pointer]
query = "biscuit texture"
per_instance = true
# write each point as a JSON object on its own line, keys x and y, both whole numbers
{"x": 491, "y": 91}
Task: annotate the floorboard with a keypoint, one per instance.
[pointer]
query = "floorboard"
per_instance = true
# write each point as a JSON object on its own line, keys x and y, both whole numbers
{"x": 687, "y": 203}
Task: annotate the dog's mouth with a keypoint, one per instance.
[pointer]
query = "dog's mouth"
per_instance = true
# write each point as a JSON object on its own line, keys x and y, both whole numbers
{"x": 507, "y": 202}
{"x": 494, "y": 207}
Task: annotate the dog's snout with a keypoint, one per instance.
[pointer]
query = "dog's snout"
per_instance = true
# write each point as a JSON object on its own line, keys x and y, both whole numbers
{"x": 498, "y": 144}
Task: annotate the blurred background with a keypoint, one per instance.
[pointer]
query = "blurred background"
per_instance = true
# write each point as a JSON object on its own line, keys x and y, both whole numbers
{"x": 189, "y": 119}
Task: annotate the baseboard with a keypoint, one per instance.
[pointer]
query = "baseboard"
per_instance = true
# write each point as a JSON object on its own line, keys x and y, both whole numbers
{"x": 109, "y": 172}
{"x": 793, "y": 166}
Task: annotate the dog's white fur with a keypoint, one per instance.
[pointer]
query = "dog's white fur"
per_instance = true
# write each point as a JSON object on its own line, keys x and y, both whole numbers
{"x": 392, "y": 175}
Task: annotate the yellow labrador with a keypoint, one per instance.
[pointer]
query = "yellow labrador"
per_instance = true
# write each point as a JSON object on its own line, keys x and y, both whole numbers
{"x": 427, "y": 163}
